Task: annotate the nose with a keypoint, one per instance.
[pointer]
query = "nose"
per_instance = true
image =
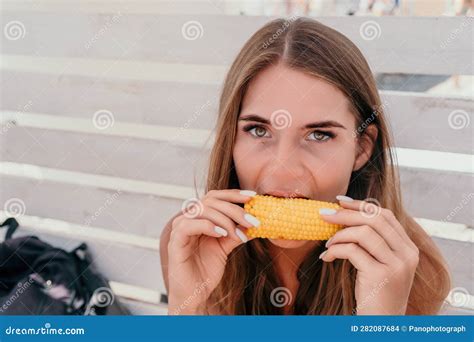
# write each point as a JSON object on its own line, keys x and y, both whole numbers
{"x": 284, "y": 151}
{"x": 286, "y": 162}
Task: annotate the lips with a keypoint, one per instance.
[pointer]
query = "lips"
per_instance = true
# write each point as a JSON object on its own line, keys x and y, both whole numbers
{"x": 286, "y": 194}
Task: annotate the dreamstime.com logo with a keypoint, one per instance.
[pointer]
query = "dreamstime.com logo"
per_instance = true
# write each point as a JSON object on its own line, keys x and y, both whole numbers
{"x": 109, "y": 21}
{"x": 46, "y": 330}
{"x": 370, "y": 208}
{"x": 103, "y": 119}
{"x": 370, "y": 30}
{"x": 192, "y": 298}
{"x": 458, "y": 119}
{"x": 379, "y": 109}
{"x": 460, "y": 206}
{"x": 281, "y": 119}
{"x": 20, "y": 288}
{"x": 453, "y": 35}
{"x": 370, "y": 297}
{"x": 192, "y": 208}
{"x": 280, "y": 296}
{"x": 103, "y": 296}
{"x": 459, "y": 297}
{"x": 107, "y": 203}
{"x": 192, "y": 30}
{"x": 14, "y": 207}
{"x": 279, "y": 32}
{"x": 14, "y": 30}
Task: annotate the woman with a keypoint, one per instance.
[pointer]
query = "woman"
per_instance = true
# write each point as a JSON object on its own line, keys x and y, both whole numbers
{"x": 300, "y": 116}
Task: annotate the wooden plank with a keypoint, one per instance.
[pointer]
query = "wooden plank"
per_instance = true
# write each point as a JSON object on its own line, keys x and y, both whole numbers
{"x": 116, "y": 69}
{"x": 93, "y": 180}
{"x": 137, "y": 101}
{"x": 433, "y": 160}
{"x": 163, "y": 7}
{"x": 442, "y": 196}
{"x": 447, "y": 230}
{"x": 125, "y": 157}
{"x": 144, "y": 102}
{"x": 460, "y": 258}
{"x": 139, "y": 300}
{"x": 138, "y": 308}
{"x": 421, "y": 121}
{"x": 103, "y": 124}
{"x": 66, "y": 229}
{"x": 134, "y": 213}
{"x": 430, "y": 45}
{"x": 418, "y": 121}
{"x": 454, "y": 311}
{"x": 136, "y": 293}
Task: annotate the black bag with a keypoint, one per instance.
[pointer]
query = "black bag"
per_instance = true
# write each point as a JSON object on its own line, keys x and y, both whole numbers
{"x": 39, "y": 279}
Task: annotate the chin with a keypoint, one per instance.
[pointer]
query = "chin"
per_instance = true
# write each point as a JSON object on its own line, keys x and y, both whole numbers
{"x": 289, "y": 243}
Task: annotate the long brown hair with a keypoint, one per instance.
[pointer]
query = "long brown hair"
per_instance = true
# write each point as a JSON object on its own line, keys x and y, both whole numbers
{"x": 324, "y": 288}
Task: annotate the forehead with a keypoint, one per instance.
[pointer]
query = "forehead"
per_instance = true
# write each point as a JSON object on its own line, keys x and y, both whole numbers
{"x": 306, "y": 97}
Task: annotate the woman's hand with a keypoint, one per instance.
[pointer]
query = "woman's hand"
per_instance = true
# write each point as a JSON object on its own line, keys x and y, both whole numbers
{"x": 381, "y": 251}
{"x": 200, "y": 241}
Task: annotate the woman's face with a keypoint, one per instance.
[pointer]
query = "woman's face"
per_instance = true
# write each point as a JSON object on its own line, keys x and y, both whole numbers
{"x": 295, "y": 138}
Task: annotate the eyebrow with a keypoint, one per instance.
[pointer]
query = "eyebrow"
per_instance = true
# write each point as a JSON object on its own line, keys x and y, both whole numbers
{"x": 319, "y": 124}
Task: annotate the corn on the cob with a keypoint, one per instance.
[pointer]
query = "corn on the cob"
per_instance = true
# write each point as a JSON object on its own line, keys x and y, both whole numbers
{"x": 290, "y": 218}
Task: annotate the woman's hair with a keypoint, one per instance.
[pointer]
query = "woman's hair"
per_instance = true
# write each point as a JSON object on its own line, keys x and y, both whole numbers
{"x": 306, "y": 45}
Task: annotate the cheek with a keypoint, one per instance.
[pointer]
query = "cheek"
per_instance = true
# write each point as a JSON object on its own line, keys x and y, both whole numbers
{"x": 246, "y": 162}
{"x": 332, "y": 171}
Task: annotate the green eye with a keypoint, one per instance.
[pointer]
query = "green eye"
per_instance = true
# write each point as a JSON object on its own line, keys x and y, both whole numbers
{"x": 320, "y": 136}
{"x": 258, "y": 131}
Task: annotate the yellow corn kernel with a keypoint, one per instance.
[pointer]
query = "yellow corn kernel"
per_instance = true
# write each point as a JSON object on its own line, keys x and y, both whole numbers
{"x": 290, "y": 218}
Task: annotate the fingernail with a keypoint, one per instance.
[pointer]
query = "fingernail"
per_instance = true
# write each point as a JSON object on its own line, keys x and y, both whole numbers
{"x": 327, "y": 211}
{"x": 327, "y": 242}
{"x": 322, "y": 254}
{"x": 344, "y": 198}
{"x": 241, "y": 235}
{"x": 248, "y": 193}
{"x": 220, "y": 231}
{"x": 252, "y": 220}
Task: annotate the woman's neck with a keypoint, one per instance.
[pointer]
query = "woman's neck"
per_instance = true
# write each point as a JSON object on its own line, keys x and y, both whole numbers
{"x": 291, "y": 258}
{"x": 287, "y": 262}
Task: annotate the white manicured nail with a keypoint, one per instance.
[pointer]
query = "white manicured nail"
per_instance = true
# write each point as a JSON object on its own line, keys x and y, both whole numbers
{"x": 252, "y": 220}
{"x": 248, "y": 193}
{"x": 322, "y": 254}
{"x": 220, "y": 231}
{"x": 327, "y": 211}
{"x": 344, "y": 198}
{"x": 241, "y": 235}
{"x": 327, "y": 242}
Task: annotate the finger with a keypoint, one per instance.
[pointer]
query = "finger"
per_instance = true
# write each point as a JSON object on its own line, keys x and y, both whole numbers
{"x": 228, "y": 245}
{"x": 372, "y": 209}
{"x": 390, "y": 217}
{"x": 361, "y": 260}
{"x": 182, "y": 233}
{"x": 366, "y": 237}
{"x": 221, "y": 220}
{"x": 234, "y": 212}
{"x": 232, "y": 195}
{"x": 348, "y": 217}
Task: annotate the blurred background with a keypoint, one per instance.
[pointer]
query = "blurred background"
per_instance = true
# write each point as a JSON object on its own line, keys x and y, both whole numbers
{"x": 108, "y": 108}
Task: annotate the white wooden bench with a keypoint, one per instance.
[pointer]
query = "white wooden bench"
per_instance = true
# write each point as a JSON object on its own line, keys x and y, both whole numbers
{"x": 114, "y": 182}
